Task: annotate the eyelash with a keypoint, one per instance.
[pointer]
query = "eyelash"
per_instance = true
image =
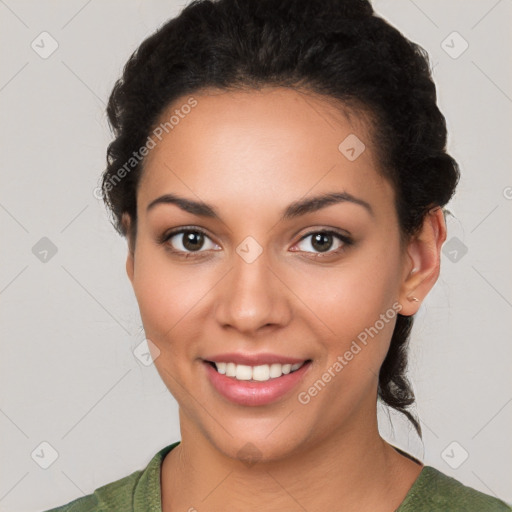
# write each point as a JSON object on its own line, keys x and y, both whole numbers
{"x": 346, "y": 241}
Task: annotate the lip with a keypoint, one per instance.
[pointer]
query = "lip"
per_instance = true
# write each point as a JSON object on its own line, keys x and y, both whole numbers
{"x": 253, "y": 359}
{"x": 252, "y": 393}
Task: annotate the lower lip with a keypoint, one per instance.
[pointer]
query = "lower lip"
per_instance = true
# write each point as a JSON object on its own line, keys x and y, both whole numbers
{"x": 252, "y": 393}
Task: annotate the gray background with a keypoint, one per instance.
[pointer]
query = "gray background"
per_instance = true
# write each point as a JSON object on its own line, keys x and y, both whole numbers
{"x": 69, "y": 320}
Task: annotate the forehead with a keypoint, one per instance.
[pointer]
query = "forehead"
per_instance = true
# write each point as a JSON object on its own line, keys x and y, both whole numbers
{"x": 259, "y": 147}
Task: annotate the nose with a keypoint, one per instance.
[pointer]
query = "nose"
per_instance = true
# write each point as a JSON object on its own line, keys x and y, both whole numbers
{"x": 252, "y": 297}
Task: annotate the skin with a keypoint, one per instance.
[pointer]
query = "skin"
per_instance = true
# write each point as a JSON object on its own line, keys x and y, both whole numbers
{"x": 250, "y": 154}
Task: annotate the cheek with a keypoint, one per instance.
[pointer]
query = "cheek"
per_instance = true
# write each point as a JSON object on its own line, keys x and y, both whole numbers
{"x": 353, "y": 295}
{"x": 169, "y": 296}
{"x": 356, "y": 307}
{"x": 169, "y": 301}
{"x": 357, "y": 310}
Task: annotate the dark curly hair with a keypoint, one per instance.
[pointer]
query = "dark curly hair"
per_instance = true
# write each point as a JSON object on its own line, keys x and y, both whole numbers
{"x": 336, "y": 48}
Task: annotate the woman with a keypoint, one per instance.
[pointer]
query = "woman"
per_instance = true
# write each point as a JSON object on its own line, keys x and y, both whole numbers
{"x": 280, "y": 171}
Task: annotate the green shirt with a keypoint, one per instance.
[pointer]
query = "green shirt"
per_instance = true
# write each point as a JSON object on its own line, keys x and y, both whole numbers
{"x": 432, "y": 491}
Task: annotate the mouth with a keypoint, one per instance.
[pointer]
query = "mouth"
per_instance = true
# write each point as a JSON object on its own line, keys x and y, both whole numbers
{"x": 257, "y": 373}
{"x": 258, "y": 384}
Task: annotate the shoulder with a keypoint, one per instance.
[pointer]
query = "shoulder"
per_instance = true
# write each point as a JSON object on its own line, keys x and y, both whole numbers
{"x": 139, "y": 491}
{"x": 434, "y": 491}
{"x": 113, "y": 496}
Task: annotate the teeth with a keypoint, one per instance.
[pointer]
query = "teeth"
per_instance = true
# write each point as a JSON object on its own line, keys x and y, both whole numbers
{"x": 276, "y": 370}
{"x": 259, "y": 373}
{"x": 243, "y": 372}
{"x": 286, "y": 368}
{"x": 230, "y": 369}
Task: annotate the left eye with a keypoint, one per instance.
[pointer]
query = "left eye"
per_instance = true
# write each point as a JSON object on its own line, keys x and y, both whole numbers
{"x": 322, "y": 241}
{"x": 191, "y": 241}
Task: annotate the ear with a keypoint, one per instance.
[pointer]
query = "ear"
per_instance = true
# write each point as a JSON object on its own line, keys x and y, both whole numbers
{"x": 130, "y": 262}
{"x": 423, "y": 261}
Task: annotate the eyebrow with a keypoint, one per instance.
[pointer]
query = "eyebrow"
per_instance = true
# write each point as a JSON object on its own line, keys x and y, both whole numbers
{"x": 293, "y": 210}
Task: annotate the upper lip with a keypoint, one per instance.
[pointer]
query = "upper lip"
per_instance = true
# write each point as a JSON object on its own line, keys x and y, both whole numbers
{"x": 253, "y": 359}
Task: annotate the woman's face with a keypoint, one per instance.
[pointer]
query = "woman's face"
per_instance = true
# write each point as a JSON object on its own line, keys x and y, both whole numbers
{"x": 253, "y": 275}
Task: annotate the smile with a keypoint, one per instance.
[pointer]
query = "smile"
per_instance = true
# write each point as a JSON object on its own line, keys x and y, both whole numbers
{"x": 255, "y": 385}
{"x": 260, "y": 373}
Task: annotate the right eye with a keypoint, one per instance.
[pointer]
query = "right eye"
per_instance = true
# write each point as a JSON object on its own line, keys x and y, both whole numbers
{"x": 186, "y": 241}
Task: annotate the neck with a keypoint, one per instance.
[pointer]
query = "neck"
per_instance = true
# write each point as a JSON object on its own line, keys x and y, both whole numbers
{"x": 353, "y": 469}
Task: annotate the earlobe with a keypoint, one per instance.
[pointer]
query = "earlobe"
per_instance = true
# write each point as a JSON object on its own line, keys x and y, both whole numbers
{"x": 423, "y": 261}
